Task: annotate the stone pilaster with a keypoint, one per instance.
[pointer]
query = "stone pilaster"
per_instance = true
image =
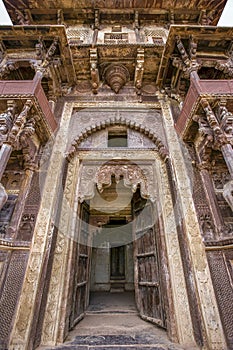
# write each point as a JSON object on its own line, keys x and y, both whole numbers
{"x": 183, "y": 322}
{"x": 207, "y": 301}
{"x": 44, "y": 226}
{"x": 54, "y": 326}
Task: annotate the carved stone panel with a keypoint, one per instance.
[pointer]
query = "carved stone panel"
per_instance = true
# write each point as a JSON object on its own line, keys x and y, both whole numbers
{"x": 220, "y": 272}
{"x": 10, "y": 293}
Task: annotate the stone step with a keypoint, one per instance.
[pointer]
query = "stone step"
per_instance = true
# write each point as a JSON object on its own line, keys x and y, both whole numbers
{"x": 115, "y": 342}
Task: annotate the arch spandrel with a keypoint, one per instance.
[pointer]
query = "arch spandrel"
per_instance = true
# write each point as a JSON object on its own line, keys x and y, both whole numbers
{"x": 132, "y": 175}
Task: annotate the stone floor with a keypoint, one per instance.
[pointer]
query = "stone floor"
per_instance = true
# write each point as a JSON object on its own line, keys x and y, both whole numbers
{"x": 112, "y": 323}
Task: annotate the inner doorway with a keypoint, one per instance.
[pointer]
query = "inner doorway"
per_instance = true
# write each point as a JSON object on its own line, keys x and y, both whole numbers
{"x": 117, "y": 263}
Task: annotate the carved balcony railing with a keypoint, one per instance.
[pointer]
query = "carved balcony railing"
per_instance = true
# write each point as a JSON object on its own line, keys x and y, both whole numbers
{"x": 208, "y": 89}
{"x": 30, "y": 89}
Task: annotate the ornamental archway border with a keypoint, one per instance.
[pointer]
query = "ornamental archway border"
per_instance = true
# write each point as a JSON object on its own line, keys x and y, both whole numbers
{"x": 89, "y": 130}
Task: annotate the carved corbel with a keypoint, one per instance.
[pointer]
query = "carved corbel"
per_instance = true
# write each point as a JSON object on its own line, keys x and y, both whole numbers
{"x": 202, "y": 18}
{"x": 8, "y": 67}
{"x": 216, "y": 122}
{"x": 192, "y": 48}
{"x": 95, "y": 80}
{"x": 139, "y": 69}
{"x": 171, "y": 17}
{"x": 22, "y": 18}
{"x": 212, "y": 120}
{"x": 45, "y": 59}
{"x": 225, "y": 119}
{"x": 19, "y": 123}
{"x": 50, "y": 53}
{"x": 227, "y": 66}
{"x": 26, "y": 143}
{"x": 97, "y": 19}
{"x": 189, "y": 60}
{"x": 60, "y": 16}
{"x": 39, "y": 49}
{"x": 205, "y": 19}
{"x": 136, "y": 20}
{"x": 205, "y": 142}
{"x": 181, "y": 48}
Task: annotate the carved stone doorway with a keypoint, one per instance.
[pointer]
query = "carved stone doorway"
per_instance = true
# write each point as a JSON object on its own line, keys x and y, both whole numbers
{"x": 124, "y": 242}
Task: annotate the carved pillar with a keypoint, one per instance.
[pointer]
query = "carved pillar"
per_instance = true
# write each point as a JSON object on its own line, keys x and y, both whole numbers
{"x": 211, "y": 197}
{"x": 6, "y": 123}
{"x": 221, "y": 125}
{"x": 203, "y": 284}
{"x": 10, "y": 133}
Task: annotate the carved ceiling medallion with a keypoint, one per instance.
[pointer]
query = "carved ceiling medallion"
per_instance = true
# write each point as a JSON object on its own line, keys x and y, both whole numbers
{"x": 116, "y": 76}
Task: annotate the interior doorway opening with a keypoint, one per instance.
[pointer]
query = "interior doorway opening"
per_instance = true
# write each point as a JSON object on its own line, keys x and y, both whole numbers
{"x": 112, "y": 267}
{"x": 117, "y": 263}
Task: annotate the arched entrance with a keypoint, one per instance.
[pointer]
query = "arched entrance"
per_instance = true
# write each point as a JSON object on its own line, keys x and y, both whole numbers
{"x": 118, "y": 237}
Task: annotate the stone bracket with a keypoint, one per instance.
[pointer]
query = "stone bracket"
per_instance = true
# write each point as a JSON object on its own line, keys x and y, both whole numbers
{"x": 189, "y": 60}
{"x": 139, "y": 69}
{"x": 95, "y": 79}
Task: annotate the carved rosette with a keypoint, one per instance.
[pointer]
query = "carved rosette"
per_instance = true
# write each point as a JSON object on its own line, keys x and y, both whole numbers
{"x": 116, "y": 76}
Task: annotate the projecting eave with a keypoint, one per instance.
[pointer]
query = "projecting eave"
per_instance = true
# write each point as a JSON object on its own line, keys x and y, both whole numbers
{"x": 83, "y": 11}
{"x": 212, "y": 43}
{"x": 23, "y": 39}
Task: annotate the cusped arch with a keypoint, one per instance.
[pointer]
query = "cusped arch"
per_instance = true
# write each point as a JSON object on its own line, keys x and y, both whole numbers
{"x": 162, "y": 149}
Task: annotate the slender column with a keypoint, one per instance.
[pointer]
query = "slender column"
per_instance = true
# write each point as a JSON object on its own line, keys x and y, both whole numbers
{"x": 227, "y": 152}
{"x": 20, "y": 204}
{"x": 228, "y": 187}
{"x": 221, "y": 128}
{"x": 5, "y": 153}
{"x": 210, "y": 194}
